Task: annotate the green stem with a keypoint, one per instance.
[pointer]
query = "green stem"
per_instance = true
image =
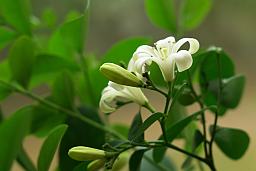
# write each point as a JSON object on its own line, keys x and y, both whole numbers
{"x": 61, "y": 109}
{"x": 162, "y": 120}
{"x": 202, "y": 115}
{"x": 216, "y": 113}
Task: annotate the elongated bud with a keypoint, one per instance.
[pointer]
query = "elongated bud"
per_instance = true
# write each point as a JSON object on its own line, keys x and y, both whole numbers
{"x": 121, "y": 161}
{"x": 120, "y": 75}
{"x": 95, "y": 165}
{"x": 81, "y": 153}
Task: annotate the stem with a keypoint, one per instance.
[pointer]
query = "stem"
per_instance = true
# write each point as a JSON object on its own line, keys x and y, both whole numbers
{"x": 216, "y": 113}
{"x": 162, "y": 120}
{"x": 61, "y": 109}
{"x": 153, "y": 87}
{"x": 186, "y": 152}
{"x": 202, "y": 115}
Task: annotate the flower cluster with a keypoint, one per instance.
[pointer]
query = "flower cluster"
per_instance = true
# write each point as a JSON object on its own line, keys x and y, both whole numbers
{"x": 124, "y": 83}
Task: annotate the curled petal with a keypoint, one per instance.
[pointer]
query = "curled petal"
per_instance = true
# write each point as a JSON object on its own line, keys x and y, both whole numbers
{"x": 164, "y": 43}
{"x": 183, "y": 60}
{"x": 143, "y": 51}
{"x": 193, "y": 45}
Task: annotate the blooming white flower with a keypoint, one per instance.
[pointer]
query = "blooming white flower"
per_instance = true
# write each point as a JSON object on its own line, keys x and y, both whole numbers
{"x": 120, "y": 93}
{"x": 166, "y": 54}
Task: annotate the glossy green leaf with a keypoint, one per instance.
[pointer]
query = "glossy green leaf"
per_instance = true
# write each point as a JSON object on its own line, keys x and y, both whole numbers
{"x": 49, "y": 147}
{"x": 135, "y": 160}
{"x": 73, "y": 33}
{"x": 174, "y": 130}
{"x": 121, "y": 128}
{"x": 158, "y": 154}
{"x": 197, "y": 140}
{"x": 44, "y": 120}
{"x": 4, "y": 92}
{"x": 63, "y": 92}
{"x": 12, "y": 132}
{"x": 21, "y": 60}
{"x": 148, "y": 163}
{"x": 193, "y": 12}
{"x": 122, "y": 51}
{"x": 80, "y": 134}
{"x": 136, "y": 123}
{"x": 5, "y": 73}
{"x": 24, "y": 160}
{"x": 232, "y": 91}
{"x": 17, "y": 14}
{"x": 146, "y": 124}
{"x": 7, "y": 35}
{"x": 162, "y": 14}
{"x": 209, "y": 75}
{"x": 49, "y": 66}
{"x": 69, "y": 39}
{"x": 156, "y": 75}
{"x": 232, "y": 142}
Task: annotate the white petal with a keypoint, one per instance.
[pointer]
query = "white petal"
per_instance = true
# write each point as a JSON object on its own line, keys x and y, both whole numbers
{"x": 193, "y": 45}
{"x": 164, "y": 43}
{"x": 143, "y": 51}
{"x": 183, "y": 60}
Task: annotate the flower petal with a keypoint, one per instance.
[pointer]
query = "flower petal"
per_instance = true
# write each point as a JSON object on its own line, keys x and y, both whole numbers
{"x": 183, "y": 60}
{"x": 193, "y": 45}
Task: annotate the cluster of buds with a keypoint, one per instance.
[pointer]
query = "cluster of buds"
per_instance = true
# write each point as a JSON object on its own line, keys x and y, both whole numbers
{"x": 98, "y": 158}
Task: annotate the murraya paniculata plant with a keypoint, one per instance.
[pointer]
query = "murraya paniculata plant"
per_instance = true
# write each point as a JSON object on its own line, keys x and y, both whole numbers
{"x": 82, "y": 91}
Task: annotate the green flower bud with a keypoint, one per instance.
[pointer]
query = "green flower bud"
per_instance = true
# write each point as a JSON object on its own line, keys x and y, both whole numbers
{"x": 81, "y": 153}
{"x": 120, "y": 75}
{"x": 95, "y": 165}
{"x": 121, "y": 161}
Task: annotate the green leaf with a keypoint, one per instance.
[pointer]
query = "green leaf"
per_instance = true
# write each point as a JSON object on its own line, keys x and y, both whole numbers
{"x": 122, "y": 51}
{"x": 17, "y": 14}
{"x": 80, "y": 134}
{"x": 158, "y": 154}
{"x": 174, "y": 130}
{"x": 63, "y": 92}
{"x": 232, "y": 91}
{"x": 197, "y": 140}
{"x": 49, "y": 147}
{"x": 73, "y": 33}
{"x": 121, "y": 128}
{"x": 148, "y": 163}
{"x": 146, "y": 124}
{"x": 49, "y": 66}
{"x": 21, "y": 60}
{"x": 136, "y": 123}
{"x": 162, "y": 14}
{"x": 69, "y": 39}
{"x": 7, "y": 35}
{"x": 44, "y": 120}
{"x": 4, "y": 92}
{"x": 12, "y": 132}
{"x": 135, "y": 160}
{"x": 232, "y": 142}
{"x": 209, "y": 75}
{"x": 5, "y": 73}
{"x": 24, "y": 160}
{"x": 193, "y": 12}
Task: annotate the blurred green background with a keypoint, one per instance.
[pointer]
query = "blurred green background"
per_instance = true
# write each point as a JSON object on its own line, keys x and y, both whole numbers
{"x": 230, "y": 24}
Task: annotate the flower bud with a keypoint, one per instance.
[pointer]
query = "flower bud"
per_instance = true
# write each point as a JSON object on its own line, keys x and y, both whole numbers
{"x": 95, "y": 165}
{"x": 81, "y": 153}
{"x": 120, "y": 75}
{"x": 121, "y": 161}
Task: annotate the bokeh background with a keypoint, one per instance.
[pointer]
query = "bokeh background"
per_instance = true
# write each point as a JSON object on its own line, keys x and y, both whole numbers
{"x": 230, "y": 24}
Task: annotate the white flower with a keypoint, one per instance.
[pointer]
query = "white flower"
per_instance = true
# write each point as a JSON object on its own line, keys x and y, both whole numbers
{"x": 166, "y": 54}
{"x": 120, "y": 93}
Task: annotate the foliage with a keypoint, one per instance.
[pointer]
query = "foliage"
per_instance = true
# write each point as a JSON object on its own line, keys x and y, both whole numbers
{"x": 68, "y": 114}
